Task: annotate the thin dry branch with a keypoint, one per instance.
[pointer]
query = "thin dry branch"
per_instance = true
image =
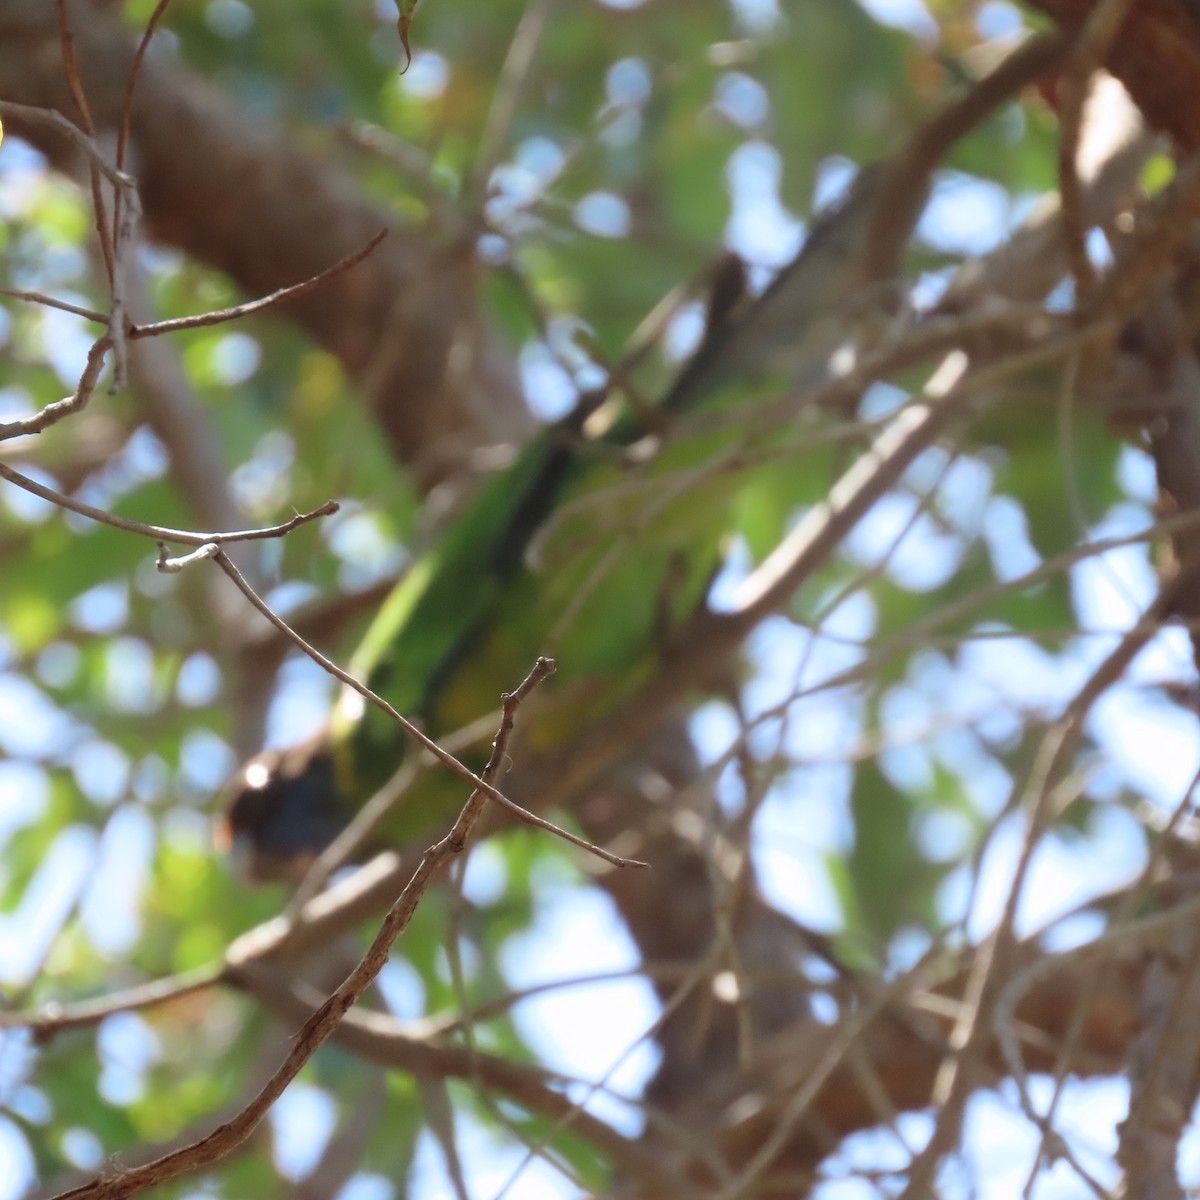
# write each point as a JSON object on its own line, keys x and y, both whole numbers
{"x": 707, "y": 643}
{"x": 55, "y": 1018}
{"x": 325, "y": 1020}
{"x": 160, "y": 533}
{"x": 53, "y": 413}
{"x": 383, "y": 1040}
{"x": 45, "y": 301}
{"x": 910, "y": 171}
{"x": 367, "y": 819}
{"x": 216, "y": 316}
{"x": 710, "y": 640}
{"x": 138, "y": 58}
{"x": 1088, "y": 52}
{"x": 97, "y": 164}
{"x": 790, "y": 573}
{"x": 418, "y": 735}
{"x": 510, "y": 88}
{"x": 282, "y": 295}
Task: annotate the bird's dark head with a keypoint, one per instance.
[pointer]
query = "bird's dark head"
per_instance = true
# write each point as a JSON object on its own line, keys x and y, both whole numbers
{"x": 280, "y": 812}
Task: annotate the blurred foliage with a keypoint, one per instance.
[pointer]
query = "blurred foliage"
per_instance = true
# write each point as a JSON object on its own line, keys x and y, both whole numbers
{"x": 113, "y": 704}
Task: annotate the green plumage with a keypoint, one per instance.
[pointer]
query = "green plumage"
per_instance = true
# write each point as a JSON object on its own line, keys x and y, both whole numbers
{"x": 586, "y": 549}
{"x": 468, "y": 620}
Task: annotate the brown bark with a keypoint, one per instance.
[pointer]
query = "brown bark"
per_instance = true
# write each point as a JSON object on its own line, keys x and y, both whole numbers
{"x": 243, "y": 199}
{"x": 240, "y": 196}
{"x": 1156, "y": 55}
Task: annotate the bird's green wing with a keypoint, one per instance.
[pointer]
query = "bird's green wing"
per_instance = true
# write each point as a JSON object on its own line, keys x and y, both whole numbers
{"x": 428, "y": 622}
{"x": 591, "y": 543}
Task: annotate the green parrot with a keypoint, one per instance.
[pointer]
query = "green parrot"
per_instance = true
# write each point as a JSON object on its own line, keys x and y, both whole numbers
{"x": 605, "y": 528}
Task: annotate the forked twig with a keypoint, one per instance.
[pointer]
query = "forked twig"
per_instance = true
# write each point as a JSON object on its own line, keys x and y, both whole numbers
{"x": 326, "y": 1019}
{"x": 443, "y": 756}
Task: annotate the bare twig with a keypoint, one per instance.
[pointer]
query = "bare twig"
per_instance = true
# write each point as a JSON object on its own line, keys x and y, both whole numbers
{"x": 50, "y": 302}
{"x": 98, "y": 164}
{"x": 326, "y": 1019}
{"x": 383, "y": 1040}
{"x": 693, "y": 977}
{"x": 910, "y": 171}
{"x": 71, "y": 67}
{"x": 53, "y": 1019}
{"x": 202, "y": 320}
{"x": 161, "y": 533}
{"x": 53, "y": 413}
{"x": 172, "y": 566}
{"x": 366, "y": 820}
{"x": 292, "y": 292}
{"x": 710, "y": 639}
{"x": 482, "y": 786}
{"x": 840, "y": 1044}
{"x": 507, "y": 95}
{"x": 1141, "y": 930}
{"x": 134, "y": 71}
{"x": 1087, "y": 54}
{"x": 1121, "y": 914}
{"x": 1043, "y": 801}
{"x": 921, "y": 632}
